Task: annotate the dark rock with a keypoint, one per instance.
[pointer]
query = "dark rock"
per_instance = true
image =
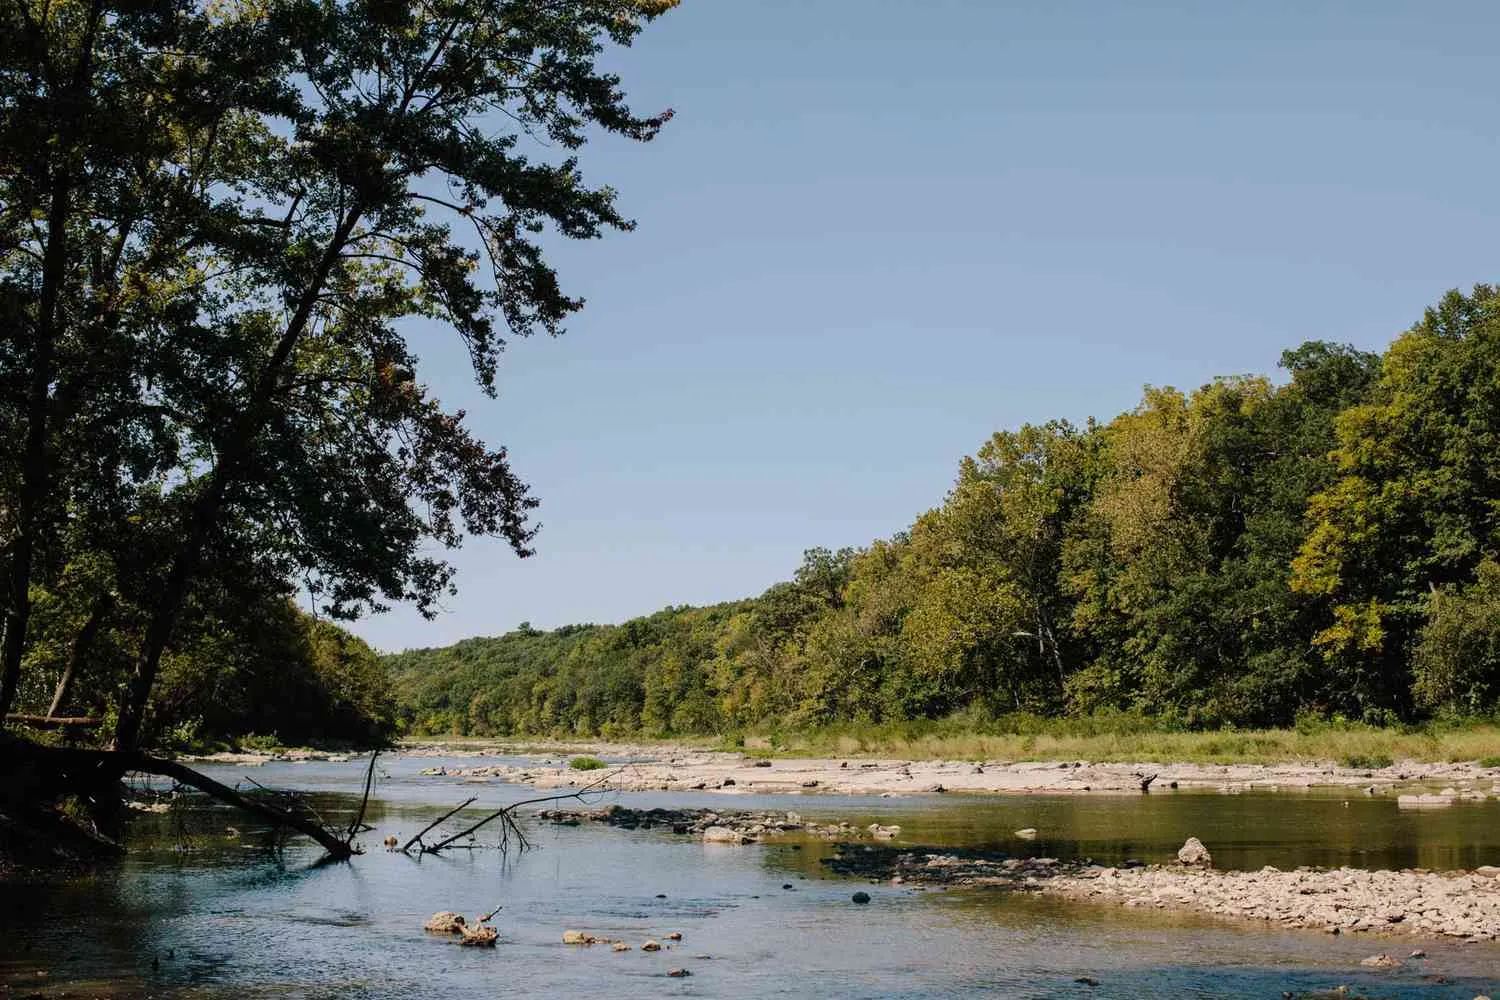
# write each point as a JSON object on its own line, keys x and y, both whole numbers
{"x": 861, "y": 897}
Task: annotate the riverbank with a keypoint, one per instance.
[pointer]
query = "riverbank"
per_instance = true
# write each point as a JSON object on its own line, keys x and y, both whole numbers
{"x": 1108, "y": 739}
{"x": 646, "y": 767}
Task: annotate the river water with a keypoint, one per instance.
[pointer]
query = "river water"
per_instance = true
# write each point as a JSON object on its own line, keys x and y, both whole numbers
{"x": 205, "y": 906}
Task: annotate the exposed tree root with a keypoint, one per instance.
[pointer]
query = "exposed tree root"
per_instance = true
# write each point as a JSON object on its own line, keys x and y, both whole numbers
{"x": 37, "y": 774}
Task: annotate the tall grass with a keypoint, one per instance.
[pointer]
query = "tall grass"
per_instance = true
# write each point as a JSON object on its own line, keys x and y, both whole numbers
{"x": 1124, "y": 738}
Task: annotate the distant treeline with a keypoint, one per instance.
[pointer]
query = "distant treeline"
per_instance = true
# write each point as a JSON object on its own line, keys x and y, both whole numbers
{"x": 1239, "y": 555}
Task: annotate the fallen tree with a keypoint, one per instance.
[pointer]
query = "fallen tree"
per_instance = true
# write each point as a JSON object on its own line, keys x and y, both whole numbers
{"x": 37, "y": 773}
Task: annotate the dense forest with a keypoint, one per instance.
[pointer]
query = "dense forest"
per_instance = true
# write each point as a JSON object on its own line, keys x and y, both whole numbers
{"x": 1248, "y": 553}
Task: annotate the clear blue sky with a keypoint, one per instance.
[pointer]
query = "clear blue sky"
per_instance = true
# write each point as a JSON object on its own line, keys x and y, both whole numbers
{"x": 877, "y": 231}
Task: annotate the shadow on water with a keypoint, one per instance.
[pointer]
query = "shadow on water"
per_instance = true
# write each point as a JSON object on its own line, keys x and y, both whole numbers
{"x": 222, "y": 913}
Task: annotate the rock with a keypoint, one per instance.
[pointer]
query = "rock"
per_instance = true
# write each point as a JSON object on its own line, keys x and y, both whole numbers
{"x": 723, "y": 835}
{"x": 651, "y": 946}
{"x": 1424, "y": 801}
{"x": 1192, "y": 852}
{"x": 619, "y": 946}
{"x": 1087, "y": 981}
{"x": 726, "y": 783}
{"x": 1381, "y": 961}
{"x": 1419, "y": 953}
{"x": 1488, "y": 871}
{"x": 578, "y": 937}
{"x": 861, "y": 897}
{"x": 445, "y": 922}
{"x": 810, "y": 784}
{"x": 479, "y": 937}
{"x": 1029, "y": 833}
{"x": 675, "y": 936}
{"x": 761, "y": 763}
{"x": 678, "y": 973}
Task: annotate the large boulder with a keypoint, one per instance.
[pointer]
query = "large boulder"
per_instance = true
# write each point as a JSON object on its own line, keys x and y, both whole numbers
{"x": 1194, "y": 853}
{"x": 445, "y": 922}
{"x": 723, "y": 835}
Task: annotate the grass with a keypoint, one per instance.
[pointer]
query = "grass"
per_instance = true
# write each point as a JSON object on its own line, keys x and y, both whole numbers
{"x": 587, "y": 764}
{"x": 1103, "y": 738}
{"x": 1351, "y": 745}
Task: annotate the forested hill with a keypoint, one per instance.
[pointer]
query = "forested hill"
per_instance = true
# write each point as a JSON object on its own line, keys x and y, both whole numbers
{"x": 1323, "y": 543}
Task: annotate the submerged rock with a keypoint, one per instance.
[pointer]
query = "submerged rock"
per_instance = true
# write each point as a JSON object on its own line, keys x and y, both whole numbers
{"x": 723, "y": 835}
{"x": 1028, "y": 833}
{"x": 479, "y": 937}
{"x": 578, "y": 937}
{"x": 861, "y": 897}
{"x": 1381, "y": 961}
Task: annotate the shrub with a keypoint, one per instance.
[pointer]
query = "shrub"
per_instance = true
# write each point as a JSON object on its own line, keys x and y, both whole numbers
{"x": 586, "y": 764}
{"x": 1366, "y": 761}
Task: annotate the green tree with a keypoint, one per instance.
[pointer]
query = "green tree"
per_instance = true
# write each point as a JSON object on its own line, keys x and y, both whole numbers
{"x": 1413, "y": 510}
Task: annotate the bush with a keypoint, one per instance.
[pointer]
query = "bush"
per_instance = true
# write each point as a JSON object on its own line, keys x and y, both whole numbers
{"x": 586, "y": 764}
{"x": 1366, "y": 761}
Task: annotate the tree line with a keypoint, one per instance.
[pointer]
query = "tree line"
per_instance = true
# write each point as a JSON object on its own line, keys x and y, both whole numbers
{"x": 1325, "y": 544}
{"x": 223, "y": 226}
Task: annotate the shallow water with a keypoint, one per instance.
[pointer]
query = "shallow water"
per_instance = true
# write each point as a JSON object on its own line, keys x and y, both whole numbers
{"x": 239, "y": 919}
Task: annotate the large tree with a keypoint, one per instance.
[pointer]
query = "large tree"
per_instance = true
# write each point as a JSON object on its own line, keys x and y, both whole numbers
{"x": 369, "y": 172}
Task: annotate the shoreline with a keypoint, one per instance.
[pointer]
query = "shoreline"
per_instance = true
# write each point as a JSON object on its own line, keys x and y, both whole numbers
{"x": 678, "y": 768}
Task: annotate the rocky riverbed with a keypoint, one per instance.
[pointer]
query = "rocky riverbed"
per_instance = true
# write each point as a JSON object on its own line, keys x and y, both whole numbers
{"x": 715, "y": 826}
{"x": 1343, "y": 900}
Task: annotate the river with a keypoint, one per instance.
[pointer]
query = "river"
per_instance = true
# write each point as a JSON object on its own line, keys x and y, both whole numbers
{"x": 205, "y": 906}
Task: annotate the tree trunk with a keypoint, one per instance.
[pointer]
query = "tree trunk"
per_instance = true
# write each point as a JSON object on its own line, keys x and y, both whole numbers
{"x": 33, "y": 487}
{"x": 81, "y": 646}
{"x": 209, "y": 504}
{"x": 34, "y": 473}
{"x": 59, "y": 770}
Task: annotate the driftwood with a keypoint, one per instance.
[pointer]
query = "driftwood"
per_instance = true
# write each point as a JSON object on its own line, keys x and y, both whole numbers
{"x": 357, "y": 825}
{"x": 407, "y": 846}
{"x": 54, "y": 721}
{"x": 509, "y": 829}
{"x": 71, "y": 768}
